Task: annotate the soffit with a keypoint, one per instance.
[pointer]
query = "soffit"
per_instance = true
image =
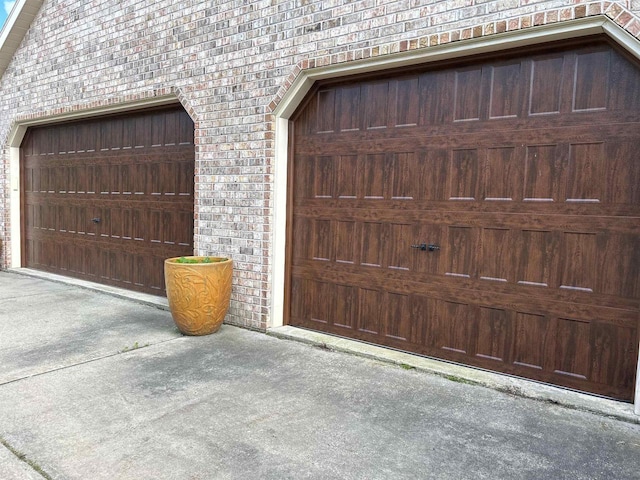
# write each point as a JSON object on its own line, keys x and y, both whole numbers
{"x": 16, "y": 26}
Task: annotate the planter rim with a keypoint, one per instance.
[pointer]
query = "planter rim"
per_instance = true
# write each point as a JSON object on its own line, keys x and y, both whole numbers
{"x": 215, "y": 260}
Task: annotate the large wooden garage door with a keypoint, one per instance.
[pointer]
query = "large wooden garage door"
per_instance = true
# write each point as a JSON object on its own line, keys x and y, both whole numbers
{"x": 485, "y": 212}
{"x": 107, "y": 200}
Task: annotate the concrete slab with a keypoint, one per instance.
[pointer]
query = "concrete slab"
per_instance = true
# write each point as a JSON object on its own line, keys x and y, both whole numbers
{"x": 504, "y": 383}
{"x": 12, "y": 468}
{"x": 45, "y": 326}
{"x": 241, "y": 404}
{"x": 143, "y": 298}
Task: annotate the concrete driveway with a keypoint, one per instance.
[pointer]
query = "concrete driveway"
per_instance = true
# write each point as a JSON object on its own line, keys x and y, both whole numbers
{"x": 97, "y": 387}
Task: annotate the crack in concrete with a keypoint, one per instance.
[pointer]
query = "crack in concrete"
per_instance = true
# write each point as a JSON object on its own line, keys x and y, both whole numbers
{"x": 23, "y": 458}
{"x": 91, "y": 360}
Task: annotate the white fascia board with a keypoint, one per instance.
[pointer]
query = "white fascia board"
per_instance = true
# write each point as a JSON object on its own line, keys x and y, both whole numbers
{"x": 15, "y": 28}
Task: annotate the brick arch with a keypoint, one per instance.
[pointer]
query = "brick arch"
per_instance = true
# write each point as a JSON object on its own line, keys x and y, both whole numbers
{"x": 581, "y": 20}
{"x": 609, "y": 15}
{"x": 147, "y": 98}
{"x": 150, "y": 98}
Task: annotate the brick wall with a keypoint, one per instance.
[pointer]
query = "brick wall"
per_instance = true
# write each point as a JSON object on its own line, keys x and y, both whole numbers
{"x": 230, "y": 63}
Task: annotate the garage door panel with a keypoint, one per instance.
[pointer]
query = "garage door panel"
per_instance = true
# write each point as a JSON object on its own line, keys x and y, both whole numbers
{"x": 130, "y": 175}
{"x": 496, "y": 261}
{"x": 177, "y": 228}
{"x": 183, "y": 234}
{"x": 405, "y": 110}
{"x": 522, "y": 171}
{"x": 376, "y": 105}
{"x": 507, "y": 90}
{"x": 543, "y": 173}
{"x": 532, "y": 132}
{"x": 299, "y": 304}
{"x": 429, "y": 233}
{"x": 432, "y": 172}
{"x": 532, "y": 347}
{"x": 459, "y": 248}
{"x": 370, "y": 313}
{"x": 400, "y": 235}
{"x": 545, "y": 94}
{"x": 436, "y": 97}
{"x": 320, "y": 310}
{"x": 398, "y": 324}
{"x": 467, "y": 96}
{"x": 573, "y": 348}
{"x": 572, "y": 351}
{"x": 614, "y": 349}
{"x": 447, "y": 326}
{"x": 622, "y": 181}
{"x": 493, "y": 333}
{"x": 376, "y": 171}
{"x": 345, "y": 314}
{"x": 121, "y": 265}
{"x": 612, "y": 220}
{"x": 106, "y": 182}
{"x": 321, "y": 238}
{"x": 591, "y": 91}
{"x": 624, "y": 91}
{"x": 346, "y": 248}
{"x": 536, "y": 263}
{"x": 586, "y": 166}
{"x": 464, "y": 170}
{"x": 541, "y": 265}
{"x": 322, "y": 173}
{"x": 403, "y": 170}
{"x": 91, "y": 262}
{"x": 616, "y": 274}
{"x": 578, "y": 255}
{"x": 156, "y": 274}
{"x": 371, "y": 244}
{"x": 501, "y": 174}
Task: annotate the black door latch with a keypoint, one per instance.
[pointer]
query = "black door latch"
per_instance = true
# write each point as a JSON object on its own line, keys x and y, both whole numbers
{"x": 423, "y": 246}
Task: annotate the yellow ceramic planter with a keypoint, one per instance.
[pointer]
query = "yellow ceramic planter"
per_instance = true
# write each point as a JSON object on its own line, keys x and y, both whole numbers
{"x": 198, "y": 293}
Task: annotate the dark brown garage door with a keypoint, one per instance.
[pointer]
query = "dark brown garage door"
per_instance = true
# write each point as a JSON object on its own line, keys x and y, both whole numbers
{"x": 485, "y": 212}
{"x": 107, "y": 200}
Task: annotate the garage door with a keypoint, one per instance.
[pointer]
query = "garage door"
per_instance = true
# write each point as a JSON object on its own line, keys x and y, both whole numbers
{"x": 485, "y": 212}
{"x": 107, "y": 200}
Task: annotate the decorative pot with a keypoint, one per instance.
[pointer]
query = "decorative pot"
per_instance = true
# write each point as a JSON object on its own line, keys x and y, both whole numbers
{"x": 199, "y": 291}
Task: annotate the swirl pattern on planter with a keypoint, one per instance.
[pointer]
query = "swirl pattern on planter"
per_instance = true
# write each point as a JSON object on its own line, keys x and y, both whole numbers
{"x": 198, "y": 294}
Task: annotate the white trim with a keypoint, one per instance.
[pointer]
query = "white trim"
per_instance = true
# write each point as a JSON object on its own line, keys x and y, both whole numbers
{"x": 19, "y": 128}
{"x": 493, "y": 43}
{"x": 14, "y": 200}
{"x": 280, "y": 219}
{"x": 16, "y": 136}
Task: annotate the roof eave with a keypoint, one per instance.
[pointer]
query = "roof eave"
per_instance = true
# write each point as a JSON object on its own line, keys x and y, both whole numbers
{"x": 15, "y": 28}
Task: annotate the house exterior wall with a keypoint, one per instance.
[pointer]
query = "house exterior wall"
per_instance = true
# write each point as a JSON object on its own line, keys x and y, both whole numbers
{"x": 230, "y": 63}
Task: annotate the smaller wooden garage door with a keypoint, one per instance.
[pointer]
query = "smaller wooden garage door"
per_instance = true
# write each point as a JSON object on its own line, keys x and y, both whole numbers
{"x": 523, "y": 174}
{"x": 108, "y": 199}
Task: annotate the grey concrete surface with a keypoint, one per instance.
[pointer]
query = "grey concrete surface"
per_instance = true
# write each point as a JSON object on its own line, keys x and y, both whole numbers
{"x": 504, "y": 383}
{"x": 12, "y": 468}
{"x": 47, "y": 325}
{"x": 241, "y": 404}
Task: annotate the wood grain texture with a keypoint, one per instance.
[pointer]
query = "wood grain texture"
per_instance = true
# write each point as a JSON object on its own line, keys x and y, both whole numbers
{"x": 522, "y": 170}
{"x": 133, "y": 174}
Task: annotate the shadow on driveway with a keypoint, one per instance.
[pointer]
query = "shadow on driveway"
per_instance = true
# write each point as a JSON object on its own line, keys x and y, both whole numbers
{"x": 243, "y": 405}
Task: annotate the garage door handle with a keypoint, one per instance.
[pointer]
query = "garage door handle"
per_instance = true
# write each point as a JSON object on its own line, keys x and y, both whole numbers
{"x": 95, "y": 220}
{"x": 423, "y": 246}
